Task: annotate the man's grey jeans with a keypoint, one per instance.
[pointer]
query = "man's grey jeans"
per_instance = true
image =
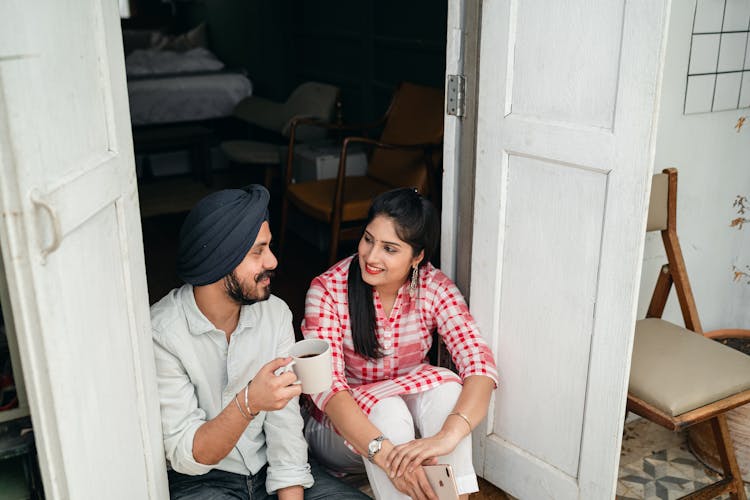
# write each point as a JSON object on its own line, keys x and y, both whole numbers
{"x": 221, "y": 485}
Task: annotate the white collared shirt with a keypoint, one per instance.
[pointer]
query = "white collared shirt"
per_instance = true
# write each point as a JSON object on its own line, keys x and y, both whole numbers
{"x": 199, "y": 373}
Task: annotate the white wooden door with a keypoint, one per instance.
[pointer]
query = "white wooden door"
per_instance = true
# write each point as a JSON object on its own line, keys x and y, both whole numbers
{"x": 567, "y": 100}
{"x": 72, "y": 249}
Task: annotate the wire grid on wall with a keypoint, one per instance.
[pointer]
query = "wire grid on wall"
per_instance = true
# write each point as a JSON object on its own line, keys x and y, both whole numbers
{"x": 718, "y": 76}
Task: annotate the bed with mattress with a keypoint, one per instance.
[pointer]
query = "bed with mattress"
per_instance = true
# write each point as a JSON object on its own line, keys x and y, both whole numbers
{"x": 179, "y": 93}
{"x": 168, "y": 87}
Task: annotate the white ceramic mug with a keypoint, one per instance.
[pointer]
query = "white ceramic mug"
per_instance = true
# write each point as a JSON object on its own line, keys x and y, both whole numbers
{"x": 312, "y": 365}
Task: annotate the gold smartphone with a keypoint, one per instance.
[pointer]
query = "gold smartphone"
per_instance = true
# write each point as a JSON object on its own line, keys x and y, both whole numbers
{"x": 441, "y": 479}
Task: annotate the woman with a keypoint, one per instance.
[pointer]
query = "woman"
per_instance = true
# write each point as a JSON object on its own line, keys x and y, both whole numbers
{"x": 378, "y": 310}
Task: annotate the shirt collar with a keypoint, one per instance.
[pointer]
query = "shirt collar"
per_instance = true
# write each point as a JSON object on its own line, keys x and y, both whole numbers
{"x": 198, "y": 324}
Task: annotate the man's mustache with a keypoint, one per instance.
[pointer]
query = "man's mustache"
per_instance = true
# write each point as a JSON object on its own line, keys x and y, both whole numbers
{"x": 269, "y": 273}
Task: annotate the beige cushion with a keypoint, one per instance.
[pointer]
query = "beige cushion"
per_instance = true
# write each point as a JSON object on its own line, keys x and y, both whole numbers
{"x": 677, "y": 370}
{"x": 251, "y": 152}
{"x": 657, "y": 205}
{"x": 309, "y": 100}
{"x": 262, "y": 113}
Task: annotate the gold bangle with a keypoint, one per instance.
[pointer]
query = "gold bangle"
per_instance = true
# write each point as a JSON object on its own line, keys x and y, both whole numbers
{"x": 466, "y": 419}
{"x": 240, "y": 408}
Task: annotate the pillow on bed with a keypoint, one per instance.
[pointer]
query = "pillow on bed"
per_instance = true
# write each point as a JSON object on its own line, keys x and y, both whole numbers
{"x": 139, "y": 39}
{"x": 193, "y": 39}
{"x": 133, "y": 40}
{"x": 162, "y": 62}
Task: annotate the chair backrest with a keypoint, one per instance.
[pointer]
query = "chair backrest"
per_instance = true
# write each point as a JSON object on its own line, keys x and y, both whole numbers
{"x": 658, "y": 204}
{"x": 310, "y": 100}
{"x": 415, "y": 116}
{"x": 662, "y": 216}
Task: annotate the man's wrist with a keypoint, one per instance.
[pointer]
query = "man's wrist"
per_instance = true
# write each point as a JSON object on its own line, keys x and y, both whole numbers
{"x": 252, "y": 413}
{"x": 296, "y": 492}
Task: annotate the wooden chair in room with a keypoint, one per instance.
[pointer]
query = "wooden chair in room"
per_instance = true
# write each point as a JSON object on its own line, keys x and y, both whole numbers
{"x": 678, "y": 377}
{"x": 310, "y": 100}
{"x": 405, "y": 155}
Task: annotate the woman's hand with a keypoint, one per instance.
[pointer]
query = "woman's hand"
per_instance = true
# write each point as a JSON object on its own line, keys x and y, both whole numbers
{"x": 408, "y": 457}
{"x": 415, "y": 485}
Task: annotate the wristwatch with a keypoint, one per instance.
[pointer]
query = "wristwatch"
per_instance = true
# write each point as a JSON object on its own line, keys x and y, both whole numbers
{"x": 374, "y": 447}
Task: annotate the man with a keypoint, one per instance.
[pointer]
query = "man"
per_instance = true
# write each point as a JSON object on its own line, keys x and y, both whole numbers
{"x": 232, "y": 427}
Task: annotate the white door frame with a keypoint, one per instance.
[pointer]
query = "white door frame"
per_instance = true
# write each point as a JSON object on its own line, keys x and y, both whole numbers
{"x": 459, "y": 144}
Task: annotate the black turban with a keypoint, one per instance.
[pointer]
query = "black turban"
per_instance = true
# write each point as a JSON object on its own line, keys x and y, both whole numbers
{"x": 218, "y": 232}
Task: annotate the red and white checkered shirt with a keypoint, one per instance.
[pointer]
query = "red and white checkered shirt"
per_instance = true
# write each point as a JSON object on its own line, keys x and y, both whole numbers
{"x": 405, "y": 338}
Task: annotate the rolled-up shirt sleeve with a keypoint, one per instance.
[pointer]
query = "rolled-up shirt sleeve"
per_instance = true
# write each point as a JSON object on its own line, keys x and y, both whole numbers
{"x": 322, "y": 322}
{"x": 457, "y": 327}
{"x": 180, "y": 415}
{"x": 286, "y": 448}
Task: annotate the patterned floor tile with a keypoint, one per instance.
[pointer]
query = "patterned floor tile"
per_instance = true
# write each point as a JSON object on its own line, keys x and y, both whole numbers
{"x": 664, "y": 473}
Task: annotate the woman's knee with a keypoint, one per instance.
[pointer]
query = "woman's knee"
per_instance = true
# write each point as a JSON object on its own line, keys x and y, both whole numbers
{"x": 392, "y": 417}
{"x": 431, "y": 408}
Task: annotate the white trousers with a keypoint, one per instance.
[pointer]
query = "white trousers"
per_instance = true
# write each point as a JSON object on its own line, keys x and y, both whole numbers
{"x": 400, "y": 419}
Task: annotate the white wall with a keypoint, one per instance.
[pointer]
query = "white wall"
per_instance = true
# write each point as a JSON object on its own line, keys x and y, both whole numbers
{"x": 714, "y": 167}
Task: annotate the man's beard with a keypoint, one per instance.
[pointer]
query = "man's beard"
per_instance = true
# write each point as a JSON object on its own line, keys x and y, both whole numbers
{"x": 238, "y": 294}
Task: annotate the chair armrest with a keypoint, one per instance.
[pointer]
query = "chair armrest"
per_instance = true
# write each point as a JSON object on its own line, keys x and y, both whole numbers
{"x": 340, "y": 127}
{"x": 300, "y": 121}
{"x": 426, "y": 146}
{"x": 428, "y": 149}
{"x": 262, "y": 112}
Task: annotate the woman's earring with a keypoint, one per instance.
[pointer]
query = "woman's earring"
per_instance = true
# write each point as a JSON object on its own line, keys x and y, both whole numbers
{"x": 413, "y": 284}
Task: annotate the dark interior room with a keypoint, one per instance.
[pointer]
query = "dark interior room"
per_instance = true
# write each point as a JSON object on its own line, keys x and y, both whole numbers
{"x": 363, "y": 49}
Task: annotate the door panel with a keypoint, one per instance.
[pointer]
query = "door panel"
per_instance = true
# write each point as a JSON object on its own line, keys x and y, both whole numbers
{"x": 548, "y": 289}
{"x": 72, "y": 248}
{"x": 567, "y": 93}
{"x": 553, "y": 78}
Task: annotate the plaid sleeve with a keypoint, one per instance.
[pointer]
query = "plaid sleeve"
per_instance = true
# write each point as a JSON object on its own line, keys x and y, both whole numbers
{"x": 321, "y": 321}
{"x": 456, "y": 326}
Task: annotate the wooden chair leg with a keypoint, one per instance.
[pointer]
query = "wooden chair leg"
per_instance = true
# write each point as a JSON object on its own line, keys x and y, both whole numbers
{"x": 334, "y": 250}
{"x": 282, "y": 228}
{"x": 732, "y": 481}
{"x": 727, "y": 456}
{"x": 661, "y": 293}
{"x": 268, "y": 176}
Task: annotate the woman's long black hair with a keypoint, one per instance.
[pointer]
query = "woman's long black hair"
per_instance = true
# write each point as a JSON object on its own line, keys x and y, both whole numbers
{"x": 416, "y": 223}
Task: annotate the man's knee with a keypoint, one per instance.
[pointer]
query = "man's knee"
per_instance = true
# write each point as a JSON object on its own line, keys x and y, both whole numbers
{"x": 327, "y": 486}
{"x": 214, "y": 485}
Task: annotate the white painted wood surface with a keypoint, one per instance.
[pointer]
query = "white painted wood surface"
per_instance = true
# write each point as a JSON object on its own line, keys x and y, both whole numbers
{"x": 567, "y": 100}
{"x": 72, "y": 248}
{"x": 454, "y": 65}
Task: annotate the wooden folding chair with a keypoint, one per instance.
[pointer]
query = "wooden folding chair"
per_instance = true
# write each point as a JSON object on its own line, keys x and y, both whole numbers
{"x": 678, "y": 377}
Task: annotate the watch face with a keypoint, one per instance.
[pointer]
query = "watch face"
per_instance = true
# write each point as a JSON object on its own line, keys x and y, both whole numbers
{"x": 374, "y": 446}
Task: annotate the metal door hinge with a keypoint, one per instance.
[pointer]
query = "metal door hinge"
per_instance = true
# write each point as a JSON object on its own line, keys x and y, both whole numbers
{"x": 456, "y": 95}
